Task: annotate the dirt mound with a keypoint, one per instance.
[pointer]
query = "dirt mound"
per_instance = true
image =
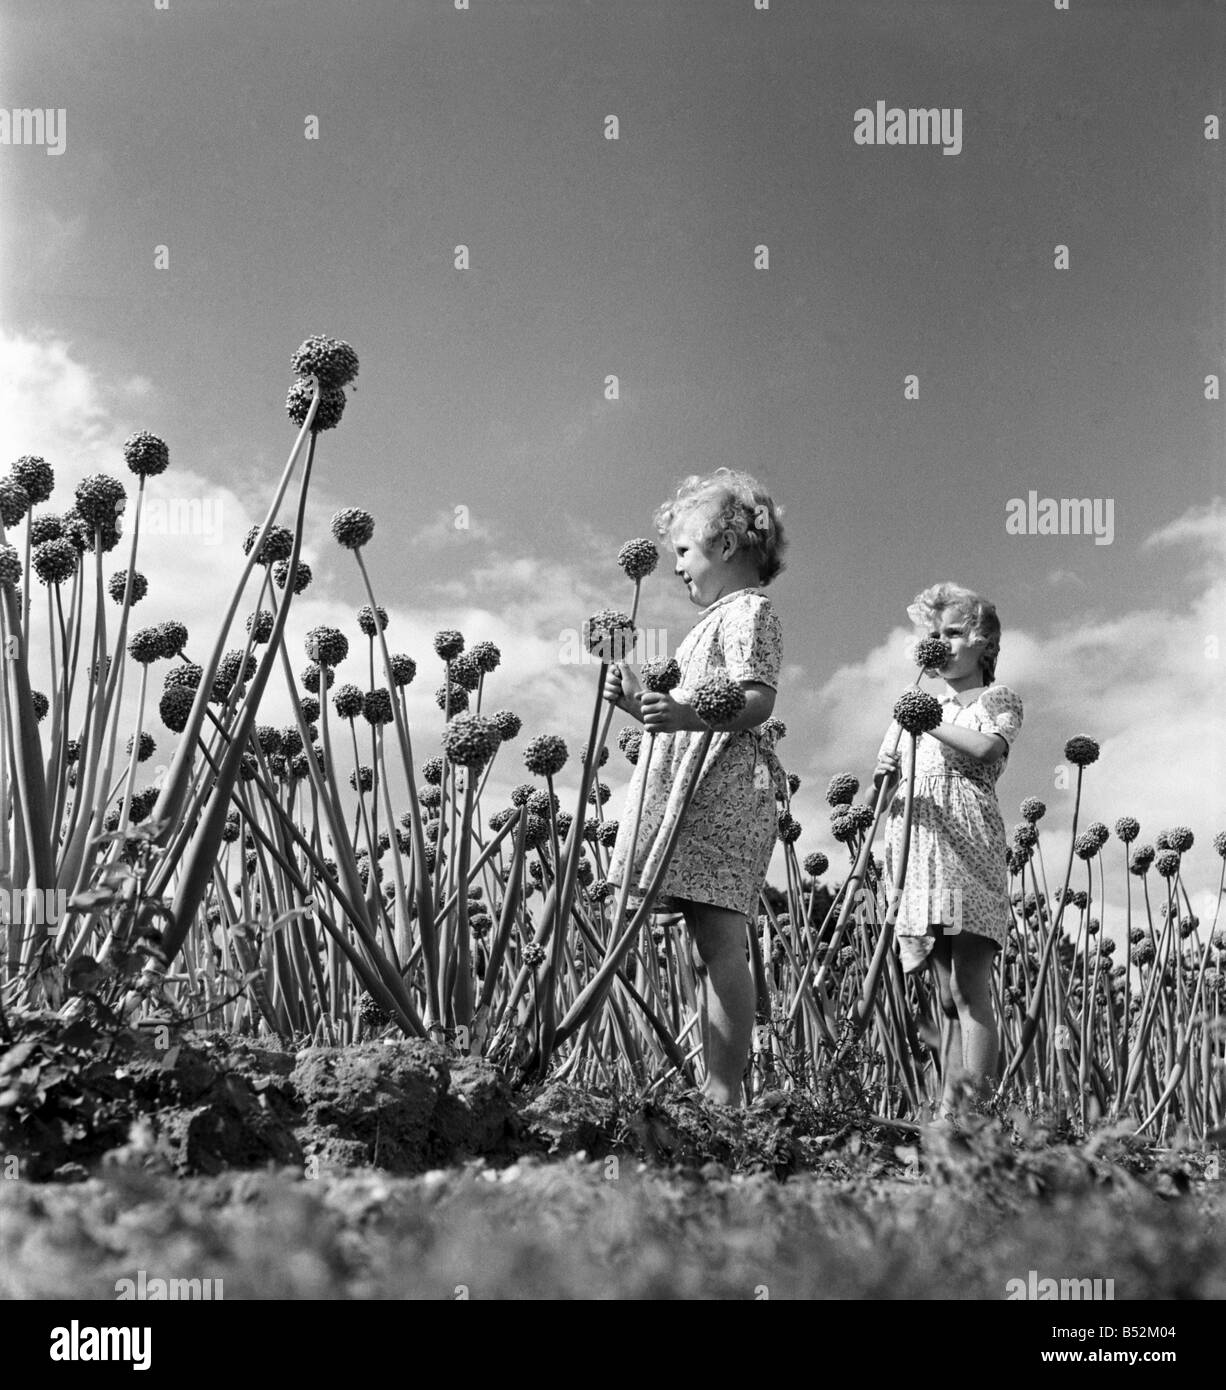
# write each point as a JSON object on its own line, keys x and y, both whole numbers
{"x": 218, "y": 1102}
{"x": 215, "y": 1102}
{"x": 198, "y": 1108}
{"x": 477, "y": 1115}
{"x": 369, "y": 1104}
{"x": 567, "y": 1119}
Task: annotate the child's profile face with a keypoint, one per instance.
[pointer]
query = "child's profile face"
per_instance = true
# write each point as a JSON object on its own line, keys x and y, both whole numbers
{"x": 965, "y": 644}
{"x": 699, "y": 564}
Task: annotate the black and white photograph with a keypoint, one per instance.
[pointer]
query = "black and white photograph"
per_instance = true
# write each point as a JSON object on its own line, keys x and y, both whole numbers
{"x": 613, "y": 622}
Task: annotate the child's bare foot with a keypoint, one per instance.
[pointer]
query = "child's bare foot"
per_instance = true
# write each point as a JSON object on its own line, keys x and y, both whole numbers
{"x": 715, "y": 1094}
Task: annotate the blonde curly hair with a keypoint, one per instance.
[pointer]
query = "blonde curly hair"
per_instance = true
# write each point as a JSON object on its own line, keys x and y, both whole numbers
{"x": 731, "y": 501}
{"x": 927, "y": 606}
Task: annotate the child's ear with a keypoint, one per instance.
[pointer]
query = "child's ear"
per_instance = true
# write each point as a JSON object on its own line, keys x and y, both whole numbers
{"x": 728, "y": 546}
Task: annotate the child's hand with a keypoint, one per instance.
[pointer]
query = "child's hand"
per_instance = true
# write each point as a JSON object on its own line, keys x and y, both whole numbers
{"x": 888, "y": 768}
{"x": 661, "y": 713}
{"x": 622, "y": 688}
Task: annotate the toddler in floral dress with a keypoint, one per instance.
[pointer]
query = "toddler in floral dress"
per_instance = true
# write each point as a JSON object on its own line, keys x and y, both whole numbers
{"x": 954, "y": 911}
{"x": 727, "y": 538}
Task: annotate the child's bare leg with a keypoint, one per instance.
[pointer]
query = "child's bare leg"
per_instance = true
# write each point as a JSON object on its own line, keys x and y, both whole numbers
{"x": 700, "y": 998}
{"x": 972, "y": 961}
{"x": 951, "y": 1033}
{"x": 726, "y": 998}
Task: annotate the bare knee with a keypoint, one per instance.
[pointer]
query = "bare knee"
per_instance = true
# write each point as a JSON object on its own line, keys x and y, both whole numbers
{"x": 971, "y": 977}
{"x": 717, "y": 936}
{"x": 942, "y": 978}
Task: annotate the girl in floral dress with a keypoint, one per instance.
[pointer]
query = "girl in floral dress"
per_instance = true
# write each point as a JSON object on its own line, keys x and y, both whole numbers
{"x": 728, "y": 542}
{"x": 954, "y": 911}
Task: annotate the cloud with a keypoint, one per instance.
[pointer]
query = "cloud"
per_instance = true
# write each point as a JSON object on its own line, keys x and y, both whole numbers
{"x": 1147, "y": 684}
{"x": 53, "y": 405}
{"x": 449, "y": 528}
{"x": 1198, "y": 525}
{"x": 1058, "y": 579}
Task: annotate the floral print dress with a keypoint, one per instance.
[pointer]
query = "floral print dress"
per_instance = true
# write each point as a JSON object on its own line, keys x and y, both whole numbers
{"x": 956, "y": 868}
{"x": 729, "y": 831}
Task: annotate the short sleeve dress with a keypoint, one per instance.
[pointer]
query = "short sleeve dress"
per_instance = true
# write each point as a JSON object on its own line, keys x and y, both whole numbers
{"x": 729, "y": 832}
{"x": 956, "y": 872}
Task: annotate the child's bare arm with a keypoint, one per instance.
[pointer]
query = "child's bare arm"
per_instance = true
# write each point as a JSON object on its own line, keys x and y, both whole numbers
{"x": 985, "y": 748}
{"x": 663, "y": 714}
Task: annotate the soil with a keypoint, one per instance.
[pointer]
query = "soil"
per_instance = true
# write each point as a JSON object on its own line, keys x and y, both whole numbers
{"x": 218, "y": 1103}
{"x": 221, "y": 1103}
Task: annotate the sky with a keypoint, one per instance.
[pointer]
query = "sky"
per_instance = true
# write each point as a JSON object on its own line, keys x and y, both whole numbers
{"x": 481, "y": 436}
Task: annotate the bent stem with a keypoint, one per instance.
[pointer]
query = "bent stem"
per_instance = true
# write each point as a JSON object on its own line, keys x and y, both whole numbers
{"x": 594, "y": 994}
{"x": 863, "y": 1008}
{"x": 619, "y": 911}
{"x": 1031, "y": 1022}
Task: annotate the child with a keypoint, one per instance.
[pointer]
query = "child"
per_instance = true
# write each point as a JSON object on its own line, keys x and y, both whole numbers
{"x": 727, "y": 537}
{"x": 955, "y": 909}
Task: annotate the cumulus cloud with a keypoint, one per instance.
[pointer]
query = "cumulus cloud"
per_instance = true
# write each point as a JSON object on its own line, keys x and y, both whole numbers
{"x": 1199, "y": 525}
{"x": 1147, "y": 685}
{"x": 452, "y": 528}
{"x": 54, "y": 405}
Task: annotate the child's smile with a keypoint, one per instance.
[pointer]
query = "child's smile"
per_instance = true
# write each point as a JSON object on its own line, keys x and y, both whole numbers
{"x": 695, "y": 565}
